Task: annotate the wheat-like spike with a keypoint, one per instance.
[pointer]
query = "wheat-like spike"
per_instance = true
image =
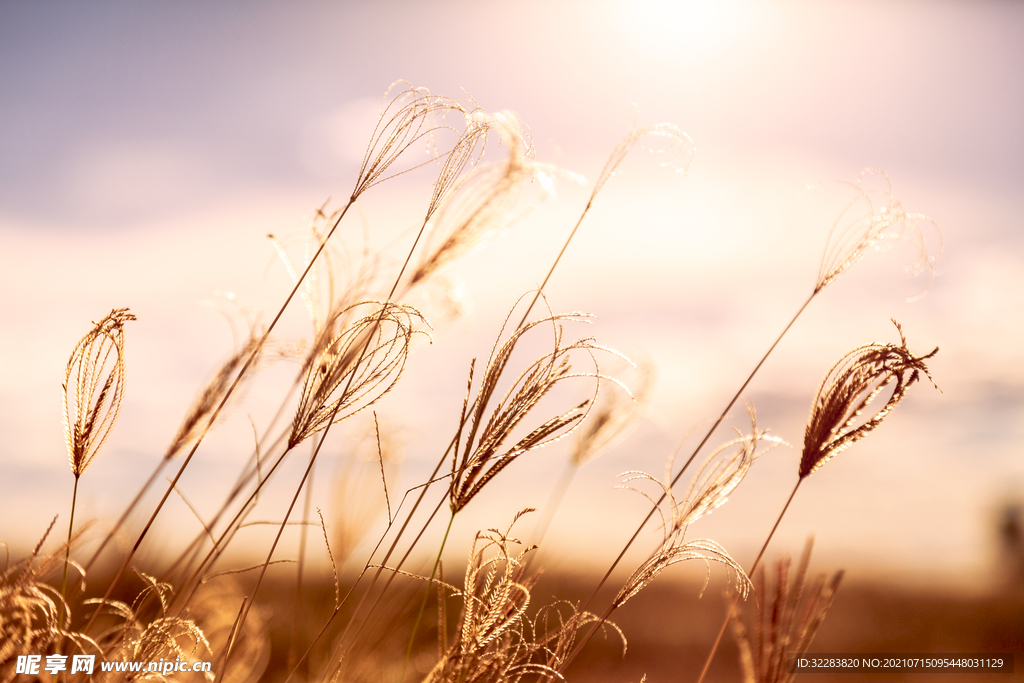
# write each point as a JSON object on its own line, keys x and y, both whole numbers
{"x": 93, "y": 388}
{"x": 163, "y": 636}
{"x": 871, "y": 217}
{"x": 849, "y": 388}
{"x": 496, "y": 642}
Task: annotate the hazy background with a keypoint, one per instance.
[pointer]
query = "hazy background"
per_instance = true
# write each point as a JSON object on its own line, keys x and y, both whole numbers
{"x": 146, "y": 151}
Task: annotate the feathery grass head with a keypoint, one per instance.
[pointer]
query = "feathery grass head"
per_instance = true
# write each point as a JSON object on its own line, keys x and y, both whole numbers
{"x": 471, "y": 206}
{"x": 495, "y": 640}
{"x": 352, "y": 365}
{"x": 469, "y": 149}
{"x": 139, "y": 635}
{"x": 849, "y": 388}
{"x": 677, "y": 147}
{"x": 32, "y": 611}
{"x": 614, "y": 415}
{"x": 786, "y": 623}
{"x": 196, "y": 420}
{"x": 93, "y": 388}
{"x": 719, "y": 476}
{"x": 484, "y": 453}
{"x": 415, "y": 116}
{"x": 870, "y": 219}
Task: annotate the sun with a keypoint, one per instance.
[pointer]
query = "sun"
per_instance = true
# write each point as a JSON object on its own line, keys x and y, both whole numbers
{"x": 695, "y": 28}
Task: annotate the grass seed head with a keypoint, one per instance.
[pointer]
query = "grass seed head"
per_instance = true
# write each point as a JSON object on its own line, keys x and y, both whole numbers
{"x": 849, "y": 388}
{"x": 352, "y": 365}
{"x": 415, "y": 116}
{"x": 676, "y": 146}
{"x": 484, "y": 453}
{"x": 721, "y": 473}
{"x": 871, "y": 219}
{"x": 785, "y": 623}
{"x": 93, "y": 388}
{"x": 196, "y": 420}
{"x": 495, "y": 640}
{"x": 474, "y": 205}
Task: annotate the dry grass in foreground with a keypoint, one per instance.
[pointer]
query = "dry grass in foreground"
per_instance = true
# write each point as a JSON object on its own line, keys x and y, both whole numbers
{"x": 495, "y": 618}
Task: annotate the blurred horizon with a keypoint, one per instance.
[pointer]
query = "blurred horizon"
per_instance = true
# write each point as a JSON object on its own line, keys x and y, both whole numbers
{"x": 148, "y": 151}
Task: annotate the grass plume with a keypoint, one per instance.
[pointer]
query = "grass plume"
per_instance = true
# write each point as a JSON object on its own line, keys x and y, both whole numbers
{"x": 517, "y": 401}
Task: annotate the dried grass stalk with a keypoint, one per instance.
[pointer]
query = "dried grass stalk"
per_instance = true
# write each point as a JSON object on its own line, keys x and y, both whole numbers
{"x": 872, "y": 218}
{"x": 784, "y": 624}
{"x": 93, "y": 389}
{"x": 495, "y": 640}
{"x": 335, "y": 276}
{"x": 484, "y": 453}
{"x": 721, "y": 473}
{"x": 614, "y": 415}
{"x": 481, "y": 203}
{"x": 849, "y": 388}
{"x": 350, "y": 367}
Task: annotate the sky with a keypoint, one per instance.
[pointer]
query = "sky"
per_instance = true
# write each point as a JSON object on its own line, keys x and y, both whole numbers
{"x": 147, "y": 150}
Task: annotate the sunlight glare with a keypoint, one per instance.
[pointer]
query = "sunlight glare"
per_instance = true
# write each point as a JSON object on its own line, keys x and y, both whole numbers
{"x": 694, "y": 27}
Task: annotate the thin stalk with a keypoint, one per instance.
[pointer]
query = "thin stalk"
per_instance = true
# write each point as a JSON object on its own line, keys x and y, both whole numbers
{"x": 330, "y": 422}
{"x": 366, "y": 567}
{"x": 696, "y": 450}
{"x": 387, "y": 584}
{"x": 213, "y": 416}
{"x": 298, "y": 578}
{"x": 277, "y": 538}
{"x": 558, "y": 258}
{"x": 728, "y": 614}
{"x": 230, "y": 641}
{"x": 426, "y": 596}
{"x": 67, "y": 552}
{"x": 124, "y": 516}
{"x": 195, "y": 546}
{"x": 220, "y": 544}
{"x": 243, "y": 479}
{"x": 675, "y": 480}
